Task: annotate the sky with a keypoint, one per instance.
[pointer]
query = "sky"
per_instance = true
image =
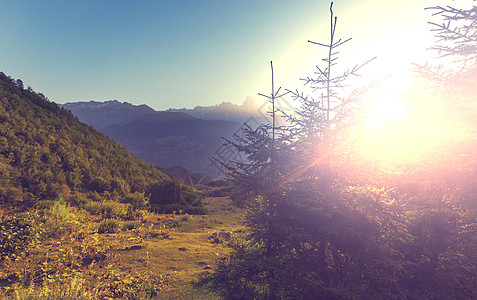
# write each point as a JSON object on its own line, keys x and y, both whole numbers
{"x": 174, "y": 54}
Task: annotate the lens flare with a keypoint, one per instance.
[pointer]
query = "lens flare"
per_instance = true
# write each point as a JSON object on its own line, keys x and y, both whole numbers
{"x": 388, "y": 108}
{"x": 404, "y": 132}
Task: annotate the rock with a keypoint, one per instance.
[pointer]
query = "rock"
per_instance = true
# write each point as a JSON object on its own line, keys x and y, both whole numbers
{"x": 56, "y": 243}
{"x": 135, "y": 247}
{"x": 89, "y": 258}
{"x": 220, "y": 235}
{"x": 182, "y": 249}
{"x": 207, "y": 267}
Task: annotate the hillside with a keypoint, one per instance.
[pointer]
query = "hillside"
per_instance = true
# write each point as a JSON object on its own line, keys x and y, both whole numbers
{"x": 77, "y": 212}
{"x": 186, "y": 138}
{"x": 173, "y": 139}
{"x": 102, "y": 114}
{"x": 45, "y": 151}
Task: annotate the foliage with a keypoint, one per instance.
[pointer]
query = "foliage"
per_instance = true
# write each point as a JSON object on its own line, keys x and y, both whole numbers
{"x": 169, "y": 195}
{"x": 136, "y": 201}
{"x": 106, "y": 209}
{"x": 45, "y": 151}
{"x": 68, "y": 258}
{"x": 316, "y": 233}
{"x": 17, "y": 234}
{"x": 73, "y": 291}
{"x": 109, "y": 226}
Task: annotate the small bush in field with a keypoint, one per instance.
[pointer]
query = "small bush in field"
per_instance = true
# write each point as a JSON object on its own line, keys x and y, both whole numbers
{"x": 45, "y": 204}
{"x": 79, "y": 200}
{"x": 17, "y": 233}
{"x": 173, "y": 192}
{"x": 107, "y": 209}
{"x": 109, "y": 226}
{"x": 75, "y": 290}
{"x": 130, "y": 226}
{"x": 136, "y": 201}
{"x": 59, "y": 211}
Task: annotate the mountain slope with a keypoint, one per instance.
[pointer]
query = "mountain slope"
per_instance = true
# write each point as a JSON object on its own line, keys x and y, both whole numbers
{"x": 45, "y": 151}
{"x": 173, "y": 139}
{"x": 227, "y": 111}
{"x": 102, "y": 114}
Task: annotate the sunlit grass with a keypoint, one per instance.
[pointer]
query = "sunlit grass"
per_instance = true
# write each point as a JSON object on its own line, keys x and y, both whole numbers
{"x": 172, "y": 251}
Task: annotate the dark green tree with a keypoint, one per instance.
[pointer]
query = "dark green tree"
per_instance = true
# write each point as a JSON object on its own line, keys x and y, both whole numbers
{"x": 308, "y": 237}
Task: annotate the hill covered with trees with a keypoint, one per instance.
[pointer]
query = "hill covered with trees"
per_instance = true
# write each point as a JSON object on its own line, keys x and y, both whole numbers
{"x": 45, "y": 151}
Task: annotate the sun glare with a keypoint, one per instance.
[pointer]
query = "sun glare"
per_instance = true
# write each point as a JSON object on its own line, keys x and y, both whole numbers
{"x": 388, "y": 108}
{"x": 401, "y": 132}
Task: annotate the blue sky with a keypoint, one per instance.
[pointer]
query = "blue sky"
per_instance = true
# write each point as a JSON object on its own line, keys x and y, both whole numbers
{"x": 187, "y": 53}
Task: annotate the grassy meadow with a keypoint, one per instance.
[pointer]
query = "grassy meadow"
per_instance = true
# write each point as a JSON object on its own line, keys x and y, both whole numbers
{"x": 159, "y": 257}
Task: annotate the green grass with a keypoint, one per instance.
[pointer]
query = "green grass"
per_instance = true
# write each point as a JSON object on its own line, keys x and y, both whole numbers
{"x": 181, "y": 257}
{"x": 158, "y": 258}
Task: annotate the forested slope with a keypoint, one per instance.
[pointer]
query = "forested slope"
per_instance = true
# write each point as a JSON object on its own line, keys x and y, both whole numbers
{"x": 45, "y": 151}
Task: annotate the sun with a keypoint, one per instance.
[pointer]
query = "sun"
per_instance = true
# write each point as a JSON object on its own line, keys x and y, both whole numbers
{"x": 405, "y": 131}
{"x": 388, "y": 107}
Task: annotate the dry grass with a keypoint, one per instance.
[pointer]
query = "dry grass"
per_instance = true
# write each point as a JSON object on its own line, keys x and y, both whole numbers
{"x": 184, "y": 254}
{"x": 164, "y": 251}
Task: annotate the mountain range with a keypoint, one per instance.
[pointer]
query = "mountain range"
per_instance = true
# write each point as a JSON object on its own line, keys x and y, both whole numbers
{"x": 226, "y": 111}
{"x": 166, "y": 138}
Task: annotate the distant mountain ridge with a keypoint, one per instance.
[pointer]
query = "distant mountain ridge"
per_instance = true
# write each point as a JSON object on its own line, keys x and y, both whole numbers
{"x": 164, "y": 138}
{"x": 173, "y": 139}
{"x": 102, "y": 114}
{"x": 226, "y": 111}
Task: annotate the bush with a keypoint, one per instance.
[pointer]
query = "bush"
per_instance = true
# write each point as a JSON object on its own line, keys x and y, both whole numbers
{"x": 17, "y": 233}
{"x": 173, "y": 192}
{"x": 136, "y": 201}
{"x": 45, "y": 204}
{"x": 59, "y": 211}
{"x": 79, "y": 200}
{"x": 170, "y": 208}
{"x": 98, "y": 184}
{"x": 130, "y": 226}
{"x": 107, "y": 209}
{"x": 109, "y": 226}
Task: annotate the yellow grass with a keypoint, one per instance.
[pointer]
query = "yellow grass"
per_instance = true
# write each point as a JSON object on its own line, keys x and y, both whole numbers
{"x": 173, "y": 250}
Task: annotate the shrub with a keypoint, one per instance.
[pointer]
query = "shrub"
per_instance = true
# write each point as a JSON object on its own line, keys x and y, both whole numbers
{"x": 171, "y": 192}
{"x": 59, "y": 211}
{"x": 79, "y": 200}
{"x": 45, "y": 204}
{"x": 130, "y": 226}
{"x": 17, "y": 233}
{"x": 98, "y": 184}
{"x": 170, "y": 208}
{"x": 136, "y": 201}
{"x": 107, "y": 209}
{"x": 109, "y": 226}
